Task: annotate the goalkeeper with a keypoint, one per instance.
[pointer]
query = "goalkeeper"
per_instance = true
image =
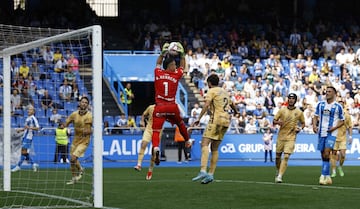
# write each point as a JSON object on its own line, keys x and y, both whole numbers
{"x": 166, "y": 84}
{"x": 82, "y": 121}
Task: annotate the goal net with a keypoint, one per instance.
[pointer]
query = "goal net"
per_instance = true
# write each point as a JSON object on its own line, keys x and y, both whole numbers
{"x": 35, "y": 62}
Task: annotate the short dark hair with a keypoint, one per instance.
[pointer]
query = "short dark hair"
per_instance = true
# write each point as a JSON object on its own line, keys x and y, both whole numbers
{"x": 85, "y": 97}
{"x": 331, "y": 87}
{"x": 213, "y": 79}
{"x": 167, "y": 61}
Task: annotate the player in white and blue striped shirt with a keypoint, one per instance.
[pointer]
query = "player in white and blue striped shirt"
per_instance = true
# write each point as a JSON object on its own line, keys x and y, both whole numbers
{"x": 330, "y": 116}
{"x": 31, "y": 125}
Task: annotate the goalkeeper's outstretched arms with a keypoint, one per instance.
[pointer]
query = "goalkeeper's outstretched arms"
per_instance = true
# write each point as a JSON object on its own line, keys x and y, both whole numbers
{"x": 163, "y": 53}
{"x": 182, "y": 55}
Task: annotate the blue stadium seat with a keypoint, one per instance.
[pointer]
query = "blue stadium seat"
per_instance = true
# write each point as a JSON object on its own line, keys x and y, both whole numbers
{"x": 236, "y": 60}
{"x": 110, "y": 120}
{"x": 19, "y": 112}
{"x": 39, "y": 112}
{"x": 83, "y": 90}
{"x": 137, "y": 120}
{"x": 70, "y": 106}
{"x": 14, "y": 123}
{"x": 336, "y": 69}
{"x": 62, "y": 112}
{"x": 41, "y": 68}
{"x": 331, "y": 62}
{"x": 116, "y": 118}
{"x": 20, "y": 121}
{"x": 18, "y": 61}
{"x": 29, "y": 60}
{"x": 251, "y": 70}
{"x": 44, "y": 122}
{"x": 49, "y": 85}
{"x": 49, "y": 132}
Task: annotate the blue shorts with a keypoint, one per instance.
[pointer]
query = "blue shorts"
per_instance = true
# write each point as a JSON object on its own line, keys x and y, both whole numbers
{"x": 326, "y": 142}
{"x": 26, "y": 143}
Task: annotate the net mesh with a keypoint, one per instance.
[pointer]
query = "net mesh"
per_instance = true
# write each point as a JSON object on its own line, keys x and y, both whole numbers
{"x": 58, "y": 64}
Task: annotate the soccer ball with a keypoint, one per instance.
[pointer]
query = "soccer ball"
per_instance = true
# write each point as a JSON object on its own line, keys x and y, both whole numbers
{"x": 173, "y": 49}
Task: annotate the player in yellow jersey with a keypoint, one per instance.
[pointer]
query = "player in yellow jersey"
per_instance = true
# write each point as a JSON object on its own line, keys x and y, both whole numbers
{"x": 219, "y": 103}
{"x": 288, "y": 118}
{"x": 82, "y": 121}
{"x": 338, "y": 153}
{"x": 146, "y": 139}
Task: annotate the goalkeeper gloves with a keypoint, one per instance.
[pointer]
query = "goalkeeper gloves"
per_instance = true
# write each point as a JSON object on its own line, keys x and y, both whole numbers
{"x": 165, "y": 48}
{"x": 181, "y": 49}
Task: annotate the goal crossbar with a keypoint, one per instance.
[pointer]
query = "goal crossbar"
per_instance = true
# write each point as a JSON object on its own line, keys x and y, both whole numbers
{"x": 96, "y": 33}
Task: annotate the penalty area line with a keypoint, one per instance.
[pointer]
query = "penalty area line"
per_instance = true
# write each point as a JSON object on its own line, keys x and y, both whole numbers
{"x": 289, "y": 184}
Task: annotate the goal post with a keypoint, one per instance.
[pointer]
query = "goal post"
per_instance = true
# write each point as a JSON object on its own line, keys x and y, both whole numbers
{"x": 98, "y": 142}
{"x": 91, "y": 60}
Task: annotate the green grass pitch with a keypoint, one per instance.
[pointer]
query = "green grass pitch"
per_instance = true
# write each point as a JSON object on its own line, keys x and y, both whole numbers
{"x": 233, "y": 188}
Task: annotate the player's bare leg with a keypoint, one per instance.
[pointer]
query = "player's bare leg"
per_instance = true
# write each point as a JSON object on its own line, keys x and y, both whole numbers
{"x": 73, "y": 168}
{"x": 283, "y": 167}
{"x": 277, "y": 165}
{"x": 213, "y": 161}
{"x": 204, "y": 159}
{"x": 214, "y": 156}
{"x": 341, "y": 162}
{"x": 333, "y": 162}
{"x": 137, "y": 167}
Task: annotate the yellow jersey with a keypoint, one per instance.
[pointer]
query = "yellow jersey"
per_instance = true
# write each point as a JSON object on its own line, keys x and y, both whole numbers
{"x": 290, "y": 119}
{"x": 219, "y": 106}
{"x": 81, "y": 123}
{"x": 341, "y": 135}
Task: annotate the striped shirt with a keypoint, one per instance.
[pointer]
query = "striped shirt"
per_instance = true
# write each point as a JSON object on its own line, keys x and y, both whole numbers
{"x": 30, "y": 121}
{"x": 329, "y": 115}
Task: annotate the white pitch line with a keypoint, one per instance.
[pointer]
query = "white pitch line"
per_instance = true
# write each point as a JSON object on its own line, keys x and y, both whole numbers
{"x": 313, "y": 186}
{"x": 290, "y": 184}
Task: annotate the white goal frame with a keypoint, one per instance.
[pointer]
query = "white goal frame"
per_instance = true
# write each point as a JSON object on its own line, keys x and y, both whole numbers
{"x": 96, "y": 32}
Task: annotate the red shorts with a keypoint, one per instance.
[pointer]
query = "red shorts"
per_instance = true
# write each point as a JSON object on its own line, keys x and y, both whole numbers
{"x": 162, "y": 112}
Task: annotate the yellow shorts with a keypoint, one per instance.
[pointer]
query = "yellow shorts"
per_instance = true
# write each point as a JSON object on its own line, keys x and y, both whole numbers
{"x": 285, "y": 146}
{"x": 339, "y": 145}
{"x": 215, "y": 132}
{"x": 147, "y": 135}
{"x": 78, "y": 150}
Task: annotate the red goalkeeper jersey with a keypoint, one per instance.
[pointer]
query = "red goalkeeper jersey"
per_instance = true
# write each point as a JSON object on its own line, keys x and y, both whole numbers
{"x": 166, "y": 84}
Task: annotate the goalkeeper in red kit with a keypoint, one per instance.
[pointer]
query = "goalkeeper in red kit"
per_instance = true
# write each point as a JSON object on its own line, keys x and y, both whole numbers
{"x": 166, "y": 84}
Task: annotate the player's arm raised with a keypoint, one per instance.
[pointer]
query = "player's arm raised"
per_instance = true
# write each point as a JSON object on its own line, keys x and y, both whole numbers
{"x": 182, "y": 55}
{"x": 164, "y": 51}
